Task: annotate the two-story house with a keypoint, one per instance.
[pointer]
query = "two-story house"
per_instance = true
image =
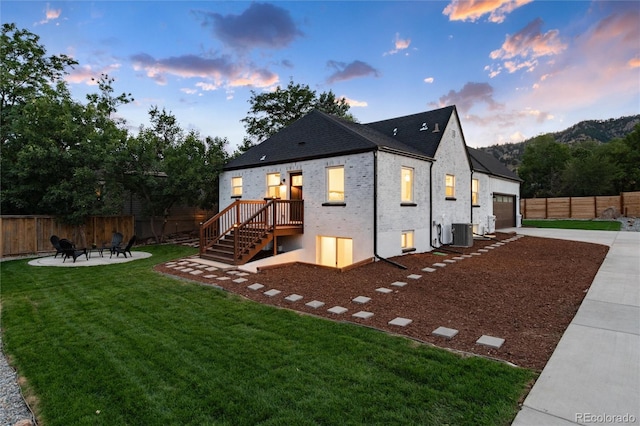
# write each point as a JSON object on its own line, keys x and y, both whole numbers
{"x": 336, "y": 193}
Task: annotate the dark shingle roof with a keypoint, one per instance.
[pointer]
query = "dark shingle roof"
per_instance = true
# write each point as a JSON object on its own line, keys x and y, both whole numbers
{"x": 485, "y": 163}
{"x": 318, "y": 135}
{"x": 422, "y": 131}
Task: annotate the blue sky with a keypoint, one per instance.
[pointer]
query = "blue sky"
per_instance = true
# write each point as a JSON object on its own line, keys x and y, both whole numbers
{"x": 514, "y": 68}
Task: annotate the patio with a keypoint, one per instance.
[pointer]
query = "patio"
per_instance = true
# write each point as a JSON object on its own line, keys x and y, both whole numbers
{"x": 94, "y": 260}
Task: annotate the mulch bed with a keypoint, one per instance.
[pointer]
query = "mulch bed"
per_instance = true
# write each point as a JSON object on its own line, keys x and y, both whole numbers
{"x": 526, "y": 291}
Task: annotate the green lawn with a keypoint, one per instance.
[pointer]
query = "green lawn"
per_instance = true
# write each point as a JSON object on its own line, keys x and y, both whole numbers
{"x": 121, "y": 344}
{"x": 592, "y": 225}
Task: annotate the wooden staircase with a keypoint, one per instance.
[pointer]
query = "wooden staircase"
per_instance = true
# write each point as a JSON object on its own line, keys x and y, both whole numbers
{"x": 235, "y": 235}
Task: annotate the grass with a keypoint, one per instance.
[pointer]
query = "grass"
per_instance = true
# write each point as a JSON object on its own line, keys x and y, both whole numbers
{"x": 121, "y": 344}
{"x": 592, "y": 225}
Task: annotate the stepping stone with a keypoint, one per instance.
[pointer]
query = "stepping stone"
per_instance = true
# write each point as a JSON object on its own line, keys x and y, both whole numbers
{"x": 384, "y": 290}
{"x": 242, "y": 274}
{"x": 223, "y": 278}
{"x": 476, "y": 254}
{"x": 466, "y": 256}
{"x": 240, "y": 280}
{"x": 179, "y": 268}
{"x": 499, "y": 244}
{"x": 398, "y": 284}
{"x": 429, "y": 269}
{"x": 196, "y": 272}
{"x": 492, "y": 342}
{"x": 363, "y": 314}
{"x": 489, "y": 247}
{"x": 414, "y": 276}
{"x": 483, "y": 250}
{"x": 170, "y": 263}
{"x": 256, "y": 286}
{"x": 210, "y": 276}
{"x": 272, "y": 292}
{"x": 449, "y": 333}
{"x": 211, "y": 269}
{"x": 337, "y": 310}
{"x": 458, "y": 258}
{"x": 315, "y": 304}
{"x": 449, "y": 261}
{"x": 402, "y": 322}
{"x": 361, "y": 299}
{"x": 440, "y": 265}
{"x": 201, "y": 266}
{"x": 293, "y": 297}
{"x": 232, "y": 272}
{"x": 187, "y": 269}
{"x": 183, "y": 263}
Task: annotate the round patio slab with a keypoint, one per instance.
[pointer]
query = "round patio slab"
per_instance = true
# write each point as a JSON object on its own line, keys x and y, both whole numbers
{"x": 94, "y": 260}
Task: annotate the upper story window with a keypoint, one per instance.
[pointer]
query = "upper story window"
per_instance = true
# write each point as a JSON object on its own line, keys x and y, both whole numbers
{"x": 335, "y": 184}
{"x": 406, "y": 188}
{"x": 450, "y": 186}
{"x": 475, "y": 189}
{"x": 236, "y": 186}
{"x": 273, "y": 185}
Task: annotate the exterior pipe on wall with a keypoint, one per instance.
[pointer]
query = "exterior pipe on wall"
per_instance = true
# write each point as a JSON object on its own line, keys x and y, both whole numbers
{"x": 375, "y": 214}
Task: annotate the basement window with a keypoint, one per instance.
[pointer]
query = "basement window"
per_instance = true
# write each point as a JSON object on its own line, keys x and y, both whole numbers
{"x": 406, "y": 241}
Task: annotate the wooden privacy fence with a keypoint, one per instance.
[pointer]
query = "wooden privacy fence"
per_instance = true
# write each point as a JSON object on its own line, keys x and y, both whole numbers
{"x": 31, "y": 234}
{"x": 627, "y": 204}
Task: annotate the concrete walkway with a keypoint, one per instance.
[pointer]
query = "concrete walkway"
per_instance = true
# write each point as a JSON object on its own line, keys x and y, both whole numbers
{"x": 593, "y": 376}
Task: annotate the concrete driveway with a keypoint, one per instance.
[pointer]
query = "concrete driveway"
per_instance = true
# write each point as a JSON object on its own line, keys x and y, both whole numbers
{"x": 593, "y": 376}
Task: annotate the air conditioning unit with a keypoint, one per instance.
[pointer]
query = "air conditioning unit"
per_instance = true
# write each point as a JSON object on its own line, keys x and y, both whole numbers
{"x": 462, "y": 234}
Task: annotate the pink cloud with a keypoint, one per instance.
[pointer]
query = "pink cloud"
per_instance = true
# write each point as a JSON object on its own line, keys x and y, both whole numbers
{"x": 50, "y": 15}
{"x": 399, "y": 45}
{"x": 470, "y": 95}
{"x": 350, "y": 71}
{"x": 472, "y": 10}
{"x": 88, "y": 75}
{"x": 522, "y": 50}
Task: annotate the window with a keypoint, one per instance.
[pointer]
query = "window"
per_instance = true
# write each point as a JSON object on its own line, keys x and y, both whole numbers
{"x": 406, "y": 240}
{"x": 406, "y": 188}
{"x": 450, "y": 186}
{"x": 335, "y": 184}
{"x": 475, "y": 188}
{"x": 236, "y": 186}
{"x": 335, "y": 252}
{"x": 273, "y": 185}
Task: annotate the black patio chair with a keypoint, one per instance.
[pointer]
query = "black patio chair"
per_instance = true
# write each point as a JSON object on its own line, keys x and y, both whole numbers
{"x": 126, "y": 249}
{"x": 70, "y": 251}
{"x": 55, "y": 241}
{"x": 116, "y": 240}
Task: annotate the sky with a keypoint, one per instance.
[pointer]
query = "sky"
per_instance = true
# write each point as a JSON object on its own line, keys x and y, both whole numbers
{"x": 514, "y": 69}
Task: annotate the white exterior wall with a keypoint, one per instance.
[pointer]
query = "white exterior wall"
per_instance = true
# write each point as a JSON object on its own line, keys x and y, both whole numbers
{"x": 488, "y": 186}
{"x": 393, "y": 217}
{"x": 451, "y": 158}
{"x": 354, "y": 220}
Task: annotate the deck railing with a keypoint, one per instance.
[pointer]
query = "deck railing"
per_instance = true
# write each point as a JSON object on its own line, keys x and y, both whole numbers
{"x": 249, "y": 220}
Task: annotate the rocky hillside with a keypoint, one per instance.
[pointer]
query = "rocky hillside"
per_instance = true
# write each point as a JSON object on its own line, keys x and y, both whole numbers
{"x": 601, "y": 131}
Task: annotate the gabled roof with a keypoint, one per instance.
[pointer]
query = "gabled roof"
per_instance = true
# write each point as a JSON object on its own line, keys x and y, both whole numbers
{"x": 485, "y": 163}
{"x": 422, "y": 131}
{"x": 319, "y": 135}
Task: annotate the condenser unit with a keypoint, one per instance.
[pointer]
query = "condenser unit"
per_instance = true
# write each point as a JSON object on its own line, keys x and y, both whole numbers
{"x": 462, "y": 234}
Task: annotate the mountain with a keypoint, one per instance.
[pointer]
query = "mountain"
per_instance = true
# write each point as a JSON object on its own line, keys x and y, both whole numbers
{"x": 600, "y": 131}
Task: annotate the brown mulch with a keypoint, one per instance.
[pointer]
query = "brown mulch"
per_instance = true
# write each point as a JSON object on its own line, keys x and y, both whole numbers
{"x": 526, "y": 291}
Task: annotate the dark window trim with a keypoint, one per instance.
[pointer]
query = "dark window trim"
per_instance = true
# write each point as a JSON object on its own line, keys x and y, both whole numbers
{"x": 408, "y": 204}
{"x": 476, "y": 205}
{"x": 236, "y": 196}
{"x": 407, "y": 250}
{"x": 340, "y": 204}
{"x": 450, "y": 198}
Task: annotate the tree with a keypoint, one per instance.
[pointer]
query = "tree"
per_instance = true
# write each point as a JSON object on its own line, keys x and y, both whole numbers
{"x": 589, "y": 171}
{"x": 543, "y": 162}
{"x": 271, "y": 111}
{"x": 625, "y": 153}
{"x": 164, "y": 167}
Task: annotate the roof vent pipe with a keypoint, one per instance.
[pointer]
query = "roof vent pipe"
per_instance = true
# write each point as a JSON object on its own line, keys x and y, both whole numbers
{"x": 436, "y": 129}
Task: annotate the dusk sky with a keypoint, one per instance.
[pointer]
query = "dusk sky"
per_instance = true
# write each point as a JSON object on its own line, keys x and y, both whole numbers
{"x": 514, "y": 68}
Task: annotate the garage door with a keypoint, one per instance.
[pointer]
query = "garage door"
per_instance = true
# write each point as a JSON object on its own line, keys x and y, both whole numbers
{"x": 504, "y": 209}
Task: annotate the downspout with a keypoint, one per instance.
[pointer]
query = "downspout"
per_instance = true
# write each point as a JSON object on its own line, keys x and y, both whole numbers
{"x": 375, "y": 214}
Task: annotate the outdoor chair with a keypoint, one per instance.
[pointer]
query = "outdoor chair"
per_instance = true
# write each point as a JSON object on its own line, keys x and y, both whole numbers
{"x": 116, "y": 240}
{"x": 70, "y": 251}
{"x": 55, "y": 241}
{"x": 125, "y": 250}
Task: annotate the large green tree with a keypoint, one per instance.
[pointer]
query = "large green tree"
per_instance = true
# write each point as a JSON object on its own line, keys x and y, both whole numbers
{"x": 164, "y": 167}
{"x": 271, "y": 111}
{"x": 542, "y": 166}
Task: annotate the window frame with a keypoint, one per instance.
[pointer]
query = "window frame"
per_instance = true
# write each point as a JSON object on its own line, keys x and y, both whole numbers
{"x": 404, "y": 173}
{"x": 273, "y": 189}
{"x": 234, "y": 186}
{"x": 407, "y": 240}
{"x": 450, "y": 194}
{"x": 475, "y": 192}
{"x": 329, "y": 189}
